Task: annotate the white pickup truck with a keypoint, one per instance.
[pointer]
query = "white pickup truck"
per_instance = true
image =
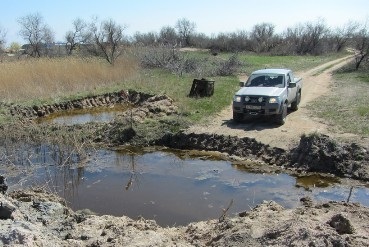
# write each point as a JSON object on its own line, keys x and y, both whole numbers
{"x": 267, "y": 92}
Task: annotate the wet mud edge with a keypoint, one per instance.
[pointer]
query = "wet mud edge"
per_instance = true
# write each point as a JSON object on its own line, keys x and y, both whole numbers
{"x": 315, "y": 152}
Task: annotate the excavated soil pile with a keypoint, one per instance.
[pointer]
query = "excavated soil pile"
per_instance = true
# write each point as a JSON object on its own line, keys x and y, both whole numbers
{"x": 36, "y": 218}
{"x": 315, "y": 153}
{"x": 108, "y": 99}
{"x": 319, "y": 153}
{"x": 233, "y": 146}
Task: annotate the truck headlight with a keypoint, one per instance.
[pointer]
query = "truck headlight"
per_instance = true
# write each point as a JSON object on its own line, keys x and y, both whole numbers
{"x": 237, "y": 98}
{"x": 273, "y": 100}
{"x": 247, "y": 98}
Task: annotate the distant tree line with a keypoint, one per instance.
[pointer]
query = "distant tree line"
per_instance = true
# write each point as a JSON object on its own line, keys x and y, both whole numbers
{"x": 106, "y": 38}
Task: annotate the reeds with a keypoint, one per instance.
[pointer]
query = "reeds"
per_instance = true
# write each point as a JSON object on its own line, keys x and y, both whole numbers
{"x": 45, "y": 78}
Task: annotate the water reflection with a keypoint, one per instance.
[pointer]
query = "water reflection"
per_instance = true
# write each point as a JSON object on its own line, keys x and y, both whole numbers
{"x": 316, "y": 180}
{"x": 83, "y": 116}
{"x": 163, "y": 186}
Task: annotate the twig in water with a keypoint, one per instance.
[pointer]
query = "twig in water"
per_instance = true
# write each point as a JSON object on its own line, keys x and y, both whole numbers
{"x": 222, "y": 217}
{"x": 349, "y": 196}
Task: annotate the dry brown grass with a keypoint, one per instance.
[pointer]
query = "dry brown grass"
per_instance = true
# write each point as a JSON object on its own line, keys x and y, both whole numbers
{"x": 45, "y": 78}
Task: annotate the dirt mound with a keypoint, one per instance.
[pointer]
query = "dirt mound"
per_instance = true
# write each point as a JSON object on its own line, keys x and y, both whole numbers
{"x": 319, "y": 153}
{"x": 242, "y": 147}
{"x": 39, "y": 219}
{"x": 108, "y": 99}
{"x": 315, "y": 153}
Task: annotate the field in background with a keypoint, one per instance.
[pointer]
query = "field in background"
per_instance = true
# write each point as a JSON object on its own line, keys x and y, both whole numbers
{"x": 38, "y": 81}
{"x": 52, "y": 79}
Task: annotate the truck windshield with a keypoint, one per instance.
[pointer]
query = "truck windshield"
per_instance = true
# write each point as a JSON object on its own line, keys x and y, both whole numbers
{"x": 265, "y": 80}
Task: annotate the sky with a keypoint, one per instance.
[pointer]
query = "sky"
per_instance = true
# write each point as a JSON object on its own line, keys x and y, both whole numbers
{"x": 210, "y": 16}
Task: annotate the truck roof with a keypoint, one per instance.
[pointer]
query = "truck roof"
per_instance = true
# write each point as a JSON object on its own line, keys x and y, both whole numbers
{"x": 271, "y": 71}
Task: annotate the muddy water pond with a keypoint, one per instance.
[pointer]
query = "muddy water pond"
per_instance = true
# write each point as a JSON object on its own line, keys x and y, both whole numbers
{"x": 83, "y": 116}
{"x": 173, "y": 188}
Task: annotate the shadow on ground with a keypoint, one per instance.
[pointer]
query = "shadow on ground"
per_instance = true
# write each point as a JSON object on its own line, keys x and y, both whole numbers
{"x": 256, "y": 124}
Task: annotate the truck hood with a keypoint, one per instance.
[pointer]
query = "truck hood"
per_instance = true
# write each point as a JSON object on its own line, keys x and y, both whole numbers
{"x": 262, "y": 91}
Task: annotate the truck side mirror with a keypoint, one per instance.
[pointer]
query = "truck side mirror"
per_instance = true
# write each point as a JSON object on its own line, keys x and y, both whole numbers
{"x": 242, "y": 84}
{"x": 291, "y": 85}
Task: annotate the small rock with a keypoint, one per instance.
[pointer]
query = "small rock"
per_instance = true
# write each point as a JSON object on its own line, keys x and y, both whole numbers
{"x": 306, "y": 201}
{"x": 341, "y": 224}
{"x": 6, "y": 211}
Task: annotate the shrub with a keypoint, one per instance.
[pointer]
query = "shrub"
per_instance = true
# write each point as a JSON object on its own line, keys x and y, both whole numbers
{"x": 229, "y": 67}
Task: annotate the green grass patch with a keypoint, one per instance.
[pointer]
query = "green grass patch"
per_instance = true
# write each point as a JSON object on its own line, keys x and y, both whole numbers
{"x": 296, "y": 63}
{"x": 363, "y": 111}
{"x": 346, "y": 108}
{"x": 178, "y": 88}
{"x": 364, "y": 77}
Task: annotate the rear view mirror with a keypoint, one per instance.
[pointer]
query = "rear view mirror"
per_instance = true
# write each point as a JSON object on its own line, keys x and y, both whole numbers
{"x": 242, "y": 84}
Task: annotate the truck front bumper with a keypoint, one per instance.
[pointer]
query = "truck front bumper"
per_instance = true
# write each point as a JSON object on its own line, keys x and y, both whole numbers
{"x": 250, "y": 110}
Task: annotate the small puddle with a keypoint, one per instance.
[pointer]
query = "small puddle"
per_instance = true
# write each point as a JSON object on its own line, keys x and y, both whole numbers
{"x": 83, "y": 116}
{"x": 170, "y": 188}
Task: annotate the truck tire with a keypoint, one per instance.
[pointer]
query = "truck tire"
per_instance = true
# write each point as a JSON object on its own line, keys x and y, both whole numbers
{"x": 296, "y": 103}
{"x": 237, "y": 117}
{"x": 281, "y": 118}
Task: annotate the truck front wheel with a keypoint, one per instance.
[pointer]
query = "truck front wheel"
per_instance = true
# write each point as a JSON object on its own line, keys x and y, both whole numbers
{"x": 237, "y": 117}
{"x": 281, "y": 118}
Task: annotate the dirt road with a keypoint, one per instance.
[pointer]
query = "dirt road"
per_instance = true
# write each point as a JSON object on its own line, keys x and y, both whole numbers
{"x": 316, "y": 83}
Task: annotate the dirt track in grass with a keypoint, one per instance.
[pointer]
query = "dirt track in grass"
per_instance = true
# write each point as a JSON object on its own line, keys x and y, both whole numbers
{"x": 316, "y": 83}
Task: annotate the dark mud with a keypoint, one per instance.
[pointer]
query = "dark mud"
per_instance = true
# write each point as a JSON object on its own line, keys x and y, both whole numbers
{"x": 315, "y": 153}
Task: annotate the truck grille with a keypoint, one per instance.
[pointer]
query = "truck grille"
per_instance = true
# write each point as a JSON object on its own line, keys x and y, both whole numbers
{"x": 255, "y": 100}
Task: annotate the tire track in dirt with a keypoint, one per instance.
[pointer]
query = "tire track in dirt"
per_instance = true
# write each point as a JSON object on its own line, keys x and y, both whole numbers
{"x": 316, "y": 83}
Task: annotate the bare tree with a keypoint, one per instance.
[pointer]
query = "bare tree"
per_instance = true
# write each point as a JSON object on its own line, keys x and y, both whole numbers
{"x": 185, "y": 29}
{"x": 148, "y": 39}
{"x": 306, "y": 38}
{"x": 77, "y": 36}
{"x": 108, "y": 39}
{"x": 342, "y": 35}
{"x": 14, "y": 47}
{"x": 262, "y": 37}
{"x": 233, "y": 42}
{"x": 2, "y": 39}
{"x": 200, "y": 40}
{"x": 361, "y": 42}
{"x": 36, "y": 33}
{"x": 168, "y": 36}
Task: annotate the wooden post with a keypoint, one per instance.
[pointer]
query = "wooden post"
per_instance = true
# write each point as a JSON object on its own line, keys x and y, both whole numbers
{"x": 202, "y": 88}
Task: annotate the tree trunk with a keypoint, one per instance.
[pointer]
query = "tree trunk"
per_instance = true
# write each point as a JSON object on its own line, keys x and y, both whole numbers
{"x": 202, "y": 88}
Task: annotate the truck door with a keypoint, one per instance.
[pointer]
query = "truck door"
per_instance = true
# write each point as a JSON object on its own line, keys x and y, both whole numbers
{"x": 291, "y": 91}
